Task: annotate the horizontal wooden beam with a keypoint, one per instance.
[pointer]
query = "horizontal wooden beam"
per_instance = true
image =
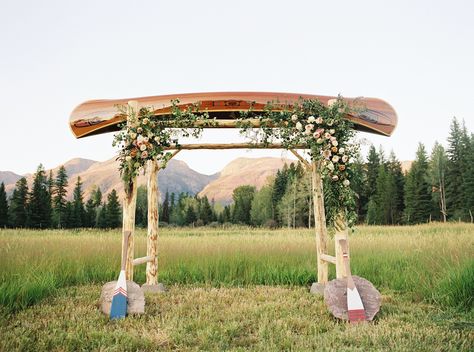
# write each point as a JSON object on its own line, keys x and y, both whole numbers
{"x": 328, "y": 258}
{"x": 230, "y": 146}
{"x": 142, "y": 260}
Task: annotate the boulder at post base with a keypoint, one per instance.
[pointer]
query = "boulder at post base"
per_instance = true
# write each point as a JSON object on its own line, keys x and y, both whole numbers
{"x": 136, "y": 298}
{"x": 335, "y": 297}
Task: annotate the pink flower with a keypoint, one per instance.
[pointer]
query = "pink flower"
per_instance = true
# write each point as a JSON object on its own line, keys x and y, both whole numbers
{"x": 309, "y": 127}
{"x": 334, "y": 143}
{"x": 327, "y": 135}
{"x": 144, "y": 154}
{"x": 316, "y": 134}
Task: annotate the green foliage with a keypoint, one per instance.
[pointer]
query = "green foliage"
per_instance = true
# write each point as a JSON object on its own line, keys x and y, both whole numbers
{"x": 78, "y": 212}
{"x": 59, "y": 196}
{"x": 141, "y": 212}
{"x": 114, "y": 214}
{"x": 144, "y": 136}
{"x": 40, "y": 201}
{"x": 261, "y": 207}
{"x": 19, "y": 204}
{"x": 242, "y": 197}
{"x": 3, "y": 207}
{"x": 417, "y": 190}
{"x": 165, "y": 209}
{"x": 437, "y": 175}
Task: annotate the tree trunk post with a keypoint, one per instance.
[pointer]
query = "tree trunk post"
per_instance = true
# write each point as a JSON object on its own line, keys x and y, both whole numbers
{"x": 152, "y": 239}
{"x": 342, "y": 232}
{"x": 129, "y": 206}
{"x": 319, "y": 222}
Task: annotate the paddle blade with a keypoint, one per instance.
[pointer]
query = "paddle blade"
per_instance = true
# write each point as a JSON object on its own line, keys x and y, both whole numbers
{"x": 355, "y": 308}
{"x": 118, "y": 310}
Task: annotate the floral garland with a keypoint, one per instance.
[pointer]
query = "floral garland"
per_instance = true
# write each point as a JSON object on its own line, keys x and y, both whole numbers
{"x": 309, "y": 124}
{"x": 323, "y": 130}
{"x": 145, "y": 136}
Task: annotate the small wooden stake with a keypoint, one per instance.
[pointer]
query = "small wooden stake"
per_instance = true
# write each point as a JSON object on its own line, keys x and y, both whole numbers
{"x": 341, "y": 234}
{"x": 152, "y": 239}
{"x": 319, "y": 222}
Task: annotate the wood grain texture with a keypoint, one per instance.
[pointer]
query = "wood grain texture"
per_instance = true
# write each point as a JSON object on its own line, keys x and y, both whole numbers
{"x": 335, "y": 297}
{"x": 102, "y": 116}
{"x": 319, "y": 222}
{"x": 152, "y": 239}
{"x": 342, "y": 233}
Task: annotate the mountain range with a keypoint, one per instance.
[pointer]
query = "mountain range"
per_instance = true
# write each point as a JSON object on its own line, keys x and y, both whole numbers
{"x": 177, "y": 177}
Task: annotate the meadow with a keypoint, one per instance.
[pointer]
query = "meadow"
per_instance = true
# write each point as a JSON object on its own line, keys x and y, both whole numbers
{"x": 237, "y": 288}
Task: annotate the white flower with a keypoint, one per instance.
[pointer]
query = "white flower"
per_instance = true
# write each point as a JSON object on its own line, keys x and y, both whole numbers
{"x": 346, "y": 182}
{"x": 128, "y": 158}
{"x": 351, "y": 160}
{"x": 319, "y": 120}
{"x": 345, "y": 158}
{"x": 335, "y": 158}
{"x": 140, "y": 139}
{"x": 144, "y": 154}
{"x": 294, "y": 117}
{"x": 335, "y": 143}
{"x": 320, "y": 141}
{"x": 139, "y": 130}
{"x": 327, "y": 135}
{"x": 335, "y": 178}
{"x": 133, "y": 135}
{"x": 143, "y": 147}
{"x": 299, "y": 126}
{"x": 145, "y": 121}
{"x": 341, "y": 150}
{"x": 309, "y": 127}
{"x": 332, "y": 139}
{"x": 311, "y": 119}
{"x": 332, "y": 131}
{"x": 330, "y": 166}
{"x": 157, "y": 139}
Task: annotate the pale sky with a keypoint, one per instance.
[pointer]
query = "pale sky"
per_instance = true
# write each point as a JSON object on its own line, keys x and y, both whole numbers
{"x": 417, "y": 55}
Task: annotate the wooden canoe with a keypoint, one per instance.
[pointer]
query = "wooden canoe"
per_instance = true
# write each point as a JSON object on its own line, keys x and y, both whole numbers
{"x": 102, "y": 116}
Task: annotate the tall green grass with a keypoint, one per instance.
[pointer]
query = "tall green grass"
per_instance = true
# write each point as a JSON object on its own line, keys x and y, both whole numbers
{"x": 427, "y": 262}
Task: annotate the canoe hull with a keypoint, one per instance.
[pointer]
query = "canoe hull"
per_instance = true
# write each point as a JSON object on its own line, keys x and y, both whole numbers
{"x": 102, "y": 116}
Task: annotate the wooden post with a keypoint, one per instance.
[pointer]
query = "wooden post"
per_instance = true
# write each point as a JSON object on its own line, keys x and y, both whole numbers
{"x": 129, "y": 206}
{"x": 152, "y": 239}
{"x": 342, "y": 233}
{"x": 319, "y": 222}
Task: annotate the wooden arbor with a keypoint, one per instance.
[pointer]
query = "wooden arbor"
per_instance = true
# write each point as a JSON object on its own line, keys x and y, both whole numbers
{"x": 102, "y": 116}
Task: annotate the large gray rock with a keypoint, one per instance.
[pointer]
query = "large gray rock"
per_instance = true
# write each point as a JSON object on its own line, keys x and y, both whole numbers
{"x": 136, "y": 298}
{"x": 335, "y": 297}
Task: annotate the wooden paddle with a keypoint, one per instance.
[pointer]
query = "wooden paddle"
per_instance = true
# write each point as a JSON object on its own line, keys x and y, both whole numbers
{"x": 355, "y": 308}
{"x": 118, "y": 309}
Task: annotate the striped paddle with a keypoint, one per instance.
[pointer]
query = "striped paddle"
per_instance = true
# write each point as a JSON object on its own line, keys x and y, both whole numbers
{"x": 355, "y": 308}
{"x": 118, "y": 310}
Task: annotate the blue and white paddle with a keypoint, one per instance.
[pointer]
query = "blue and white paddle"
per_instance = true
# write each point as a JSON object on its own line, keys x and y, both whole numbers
{"x": 118, "y": 309}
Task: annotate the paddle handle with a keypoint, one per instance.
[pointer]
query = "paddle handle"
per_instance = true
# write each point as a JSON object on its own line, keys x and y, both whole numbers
{"x": 345, "y": 257}
{"x": 126, "y": 235}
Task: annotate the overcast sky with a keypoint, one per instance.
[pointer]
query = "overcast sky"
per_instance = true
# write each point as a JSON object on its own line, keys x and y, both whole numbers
{"x": 417, "y": 55}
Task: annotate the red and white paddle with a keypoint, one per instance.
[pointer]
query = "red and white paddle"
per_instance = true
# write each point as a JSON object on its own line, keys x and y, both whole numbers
{"x": 118, "y": 309}
{"x": 355, "y": 308}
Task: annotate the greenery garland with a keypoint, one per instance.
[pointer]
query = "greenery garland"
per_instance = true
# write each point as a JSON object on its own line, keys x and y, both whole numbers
{"x": 144, "y": 136}
{"x": 308, "y": 124}
{"x": 323, "y": 130}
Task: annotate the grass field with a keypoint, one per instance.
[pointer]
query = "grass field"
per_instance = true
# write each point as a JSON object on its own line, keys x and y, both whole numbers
{"x": 237, "y": 289}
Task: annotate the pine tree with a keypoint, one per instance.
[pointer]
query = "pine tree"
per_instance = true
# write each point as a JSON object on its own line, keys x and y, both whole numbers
{"x": 165, "y": 209}
{"x": 242, "y": 197}
{"x": 205, "y": 212}
{"x": 141, "y": 210}
{"x": 90, "y": 213}
{"x": 3, "y": 206}
{"x": 40, "y": 201}
{"x": 102, "y": 216}
{"x": 358, "y": 184}
{"x": 437, "y": 174}
{"x": 19, "y": 204}
{"x": 417, "y": 189}
{"x": 394, "y": 169}
{"x": 190, "y": 217}
{"x": 468, "y": 180}
{"x": 114, "y": 218}
{"x": 78, "y": 205}
{"x": 455, "y": 165}
{"x": 59, "y": 196}
{"x": 373, "y": 164}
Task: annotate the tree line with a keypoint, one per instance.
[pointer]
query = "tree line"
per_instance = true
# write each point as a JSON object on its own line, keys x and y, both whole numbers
{"x": 439, "y": 186}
